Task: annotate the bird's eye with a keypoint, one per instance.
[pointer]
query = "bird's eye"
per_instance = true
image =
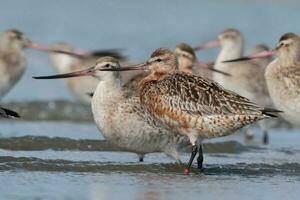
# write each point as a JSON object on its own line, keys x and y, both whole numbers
{"x": 185, "y": 56}
{"x": 107, "y": 65}
{"x": 158, "y": 60}
{"x": 18, "y": 37}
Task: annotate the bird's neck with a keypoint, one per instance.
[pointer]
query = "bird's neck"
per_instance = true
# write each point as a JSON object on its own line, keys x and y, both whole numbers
{"x": 155, "y": 76}
{"x": 109, "y": 86}
{"x": 7, "y": 48}
{"x": 11, "y": 55}
{"x": 291, "y": 58}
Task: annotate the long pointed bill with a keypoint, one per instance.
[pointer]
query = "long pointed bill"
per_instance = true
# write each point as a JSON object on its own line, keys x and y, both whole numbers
{"x": 41, "y": 47}
{"x": 263, "y": 54}
{"x": 142, "y": 66}
{"x": 208, "y": 45}
{"x": 87, "y": 72}
{"x": 204, "y": 65}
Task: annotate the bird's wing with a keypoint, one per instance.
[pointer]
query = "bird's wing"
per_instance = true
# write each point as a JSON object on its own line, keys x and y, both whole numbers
{"x": 195, "y": 95}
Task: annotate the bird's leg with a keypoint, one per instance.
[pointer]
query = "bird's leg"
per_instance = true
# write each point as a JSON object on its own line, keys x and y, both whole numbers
{"x": 141, "y": 157}
{"x": 264, "y": 126}
{"x": 193, "y": 154}
{"x": 200, "y": 157}
{"x": 265, "y": 137}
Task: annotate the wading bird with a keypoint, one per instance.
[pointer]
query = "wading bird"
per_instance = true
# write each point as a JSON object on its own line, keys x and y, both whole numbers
{"x": 12, "y": 59}
{"x": 247, "y": 78}
{"x": 192, "y": 105}
{"x": 120, "y": 117}
{"x": 283, "y": 76}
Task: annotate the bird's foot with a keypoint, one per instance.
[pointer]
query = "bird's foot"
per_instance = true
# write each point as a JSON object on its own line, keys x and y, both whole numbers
{"x": 186, "y": 171}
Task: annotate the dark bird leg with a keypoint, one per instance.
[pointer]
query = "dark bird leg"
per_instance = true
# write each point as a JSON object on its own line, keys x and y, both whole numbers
{"x": 141, "y": 158}
{"x": 265, "y": 138}
{"x": 193, "y": 154}
{"x": 200, "y": 157}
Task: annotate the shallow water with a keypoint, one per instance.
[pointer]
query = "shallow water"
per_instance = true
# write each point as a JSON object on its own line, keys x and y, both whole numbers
{"x": 71, "y": 160}
{"x": 56, "y": 152}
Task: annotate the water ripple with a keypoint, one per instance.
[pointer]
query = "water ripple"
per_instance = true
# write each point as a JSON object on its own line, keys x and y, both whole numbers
{"x": 243, "y": 169}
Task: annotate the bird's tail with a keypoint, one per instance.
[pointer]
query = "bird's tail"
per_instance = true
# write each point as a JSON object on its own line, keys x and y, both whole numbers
{"x": 271, "y": 112}
{"x": 9, "y": 113}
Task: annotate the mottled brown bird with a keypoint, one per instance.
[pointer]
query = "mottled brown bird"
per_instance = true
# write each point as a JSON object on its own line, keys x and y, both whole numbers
{"x": 120, "y": 117}
{"x": 192, "y": 105}
{"x": 187, "y": 62}
{"x": 247, "y": 77}
{"x": 283, "y": 76}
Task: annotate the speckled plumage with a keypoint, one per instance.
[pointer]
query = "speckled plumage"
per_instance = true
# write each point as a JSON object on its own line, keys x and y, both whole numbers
{"x": 188, "y": 102}
{"x": 247, "y": 78}
{"x": 194, "y": 106}
{"x": 125, "y": 123}
{"x": 283, "y": 78}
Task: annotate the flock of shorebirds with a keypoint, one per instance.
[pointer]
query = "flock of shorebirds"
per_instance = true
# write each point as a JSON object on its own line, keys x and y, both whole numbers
{"x": 173, "y": 98}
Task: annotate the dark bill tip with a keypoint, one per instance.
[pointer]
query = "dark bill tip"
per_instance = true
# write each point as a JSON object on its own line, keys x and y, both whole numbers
{"x": 219, "y": 71}
{"x": 237, "y": 59}
{"x": 86, "y": 72}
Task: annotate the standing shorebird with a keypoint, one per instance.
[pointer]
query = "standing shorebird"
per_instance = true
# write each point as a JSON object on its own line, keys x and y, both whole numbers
{"x": 283, "y": 76}
{"x": 12, "y": 59}
{"x": 192, "y": 105}
{"x": 120, "y": 117}
{"x": 247, "y": 78}
{"x": 6, "y": 113}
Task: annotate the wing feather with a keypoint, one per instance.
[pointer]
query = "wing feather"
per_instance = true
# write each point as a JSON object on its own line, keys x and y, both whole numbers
{"x": 195, "y": 95}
